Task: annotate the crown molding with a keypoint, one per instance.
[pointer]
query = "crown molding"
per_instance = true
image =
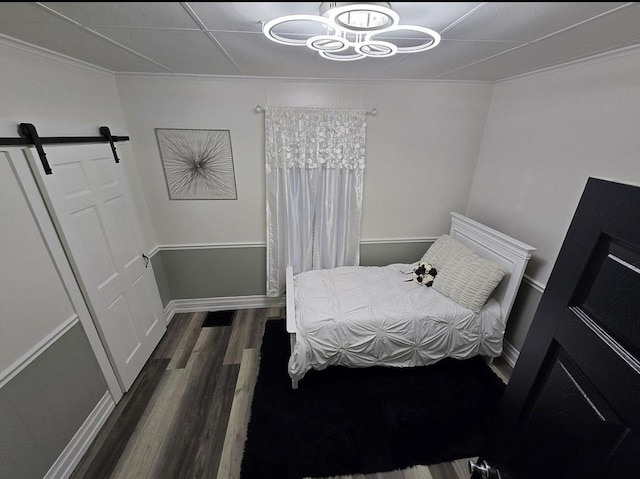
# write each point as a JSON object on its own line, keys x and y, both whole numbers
{"x": 195, "y": 76}
{"x": 54, "y": 56}
{"x": 70, "y": 61}
{"x": 578, "y": 63}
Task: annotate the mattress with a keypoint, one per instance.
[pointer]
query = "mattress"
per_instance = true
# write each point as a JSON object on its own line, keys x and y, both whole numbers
{"x": 360, "y": 316}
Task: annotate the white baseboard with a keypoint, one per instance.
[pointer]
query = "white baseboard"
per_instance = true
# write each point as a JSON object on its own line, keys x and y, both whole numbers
{"x": 222, "y": 303}
{"x": 70, "y": 457}
{"x": 169, "y": 311}
{"x": 509, "y": 353}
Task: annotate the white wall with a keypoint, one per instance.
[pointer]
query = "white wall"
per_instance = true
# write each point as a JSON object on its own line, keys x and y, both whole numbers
{"x": 421, "y": 150}
{"x": 59, "y": 99}
{"x": 545, "y": 135}
{"x": 33, "y": 301}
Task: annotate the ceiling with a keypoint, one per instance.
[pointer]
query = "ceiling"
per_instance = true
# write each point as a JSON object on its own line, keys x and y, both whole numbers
{"x": 484, "y": 42}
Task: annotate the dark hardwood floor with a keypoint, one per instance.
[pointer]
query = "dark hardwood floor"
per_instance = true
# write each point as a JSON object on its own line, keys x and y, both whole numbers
{"x": 186, "y": 414}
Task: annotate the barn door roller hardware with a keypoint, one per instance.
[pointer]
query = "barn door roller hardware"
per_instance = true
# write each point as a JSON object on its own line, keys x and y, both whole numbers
{"x": 106, "y": 133}
{"x": 28, "y": 131}
{"x": 29, "y": 137}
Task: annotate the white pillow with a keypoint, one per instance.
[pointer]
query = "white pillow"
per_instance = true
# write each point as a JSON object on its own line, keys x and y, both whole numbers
{"x": 469, "y": 283}
{"x": 445, "y": 250}
{"x": 463, "y": 276}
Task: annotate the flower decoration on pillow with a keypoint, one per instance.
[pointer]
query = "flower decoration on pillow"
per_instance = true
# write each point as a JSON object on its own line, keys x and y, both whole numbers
{"x": 424, "y": 274}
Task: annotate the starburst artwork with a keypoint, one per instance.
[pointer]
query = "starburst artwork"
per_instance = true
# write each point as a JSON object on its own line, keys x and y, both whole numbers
{"x": 198, "y": 164}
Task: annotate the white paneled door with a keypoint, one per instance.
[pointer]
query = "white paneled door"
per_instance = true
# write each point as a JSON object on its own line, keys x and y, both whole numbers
{"x": 89, "y": 199}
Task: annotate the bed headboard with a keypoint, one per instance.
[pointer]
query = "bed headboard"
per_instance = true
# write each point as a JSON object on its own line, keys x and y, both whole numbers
{"x": 498, "y": 247}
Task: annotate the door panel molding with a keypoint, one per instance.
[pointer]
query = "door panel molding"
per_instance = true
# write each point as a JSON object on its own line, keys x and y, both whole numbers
{"x": 570, "y": 409}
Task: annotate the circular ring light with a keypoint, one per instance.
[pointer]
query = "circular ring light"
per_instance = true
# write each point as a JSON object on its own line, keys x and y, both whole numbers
{"x": 432, "y": 40}
{"x": 327, "y": 43}
{"x": 377, "y": 49}
{"x": 268, "y": 27}
{"x": 348, "y": 31}
{"x": 342, "y": 58}
{"x": 363, "y": 17}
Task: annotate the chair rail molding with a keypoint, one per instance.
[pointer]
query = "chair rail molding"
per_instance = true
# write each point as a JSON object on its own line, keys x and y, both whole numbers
{"x": 27, "y": 358}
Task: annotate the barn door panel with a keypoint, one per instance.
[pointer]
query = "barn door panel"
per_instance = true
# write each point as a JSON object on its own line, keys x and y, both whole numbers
{"x": 90, "y": 202}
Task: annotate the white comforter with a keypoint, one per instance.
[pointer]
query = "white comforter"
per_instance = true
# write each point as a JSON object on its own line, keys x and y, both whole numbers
{"x": 361, "y": 316}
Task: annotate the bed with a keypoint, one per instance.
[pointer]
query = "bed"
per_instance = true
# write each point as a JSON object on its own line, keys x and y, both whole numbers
{"x": 361, "y": 316}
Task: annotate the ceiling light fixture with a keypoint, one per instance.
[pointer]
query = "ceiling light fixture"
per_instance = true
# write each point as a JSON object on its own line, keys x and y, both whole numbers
{"x": 346, "y": 31}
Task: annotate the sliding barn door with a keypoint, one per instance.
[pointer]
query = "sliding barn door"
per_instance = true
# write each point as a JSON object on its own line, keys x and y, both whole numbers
{"x": 89, "y": 199}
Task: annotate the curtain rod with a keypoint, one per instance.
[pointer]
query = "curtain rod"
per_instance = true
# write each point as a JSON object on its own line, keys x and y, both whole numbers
{"x": 372, "y": 111}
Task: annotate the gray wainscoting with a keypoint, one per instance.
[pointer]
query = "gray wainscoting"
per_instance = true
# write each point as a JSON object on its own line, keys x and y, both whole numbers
{"x": 211, "y": 272}
{"x": 380, "y": 254}
{"x": 157, "y": 262}
{"x": 522, "y": 314}
{"x": 43, "y": 406}
{"x": 192, "y": 273}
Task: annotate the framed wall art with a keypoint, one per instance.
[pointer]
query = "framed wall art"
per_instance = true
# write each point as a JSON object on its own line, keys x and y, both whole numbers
{"x": 198, "y": 164}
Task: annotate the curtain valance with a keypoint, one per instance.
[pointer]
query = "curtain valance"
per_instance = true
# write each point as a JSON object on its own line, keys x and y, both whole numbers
{"x": 314, "y": 137}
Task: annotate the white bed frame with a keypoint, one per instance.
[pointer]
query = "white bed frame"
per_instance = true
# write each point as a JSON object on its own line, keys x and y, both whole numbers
{"x": 486, "y": 242}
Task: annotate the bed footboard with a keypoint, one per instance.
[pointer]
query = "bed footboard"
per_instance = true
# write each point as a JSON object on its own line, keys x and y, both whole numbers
{"x": 291, "y": 309}
{"x": 291, "y": 315}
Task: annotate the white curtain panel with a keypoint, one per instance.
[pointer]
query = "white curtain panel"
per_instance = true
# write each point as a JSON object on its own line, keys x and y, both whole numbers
{"x": 315, "y": 160}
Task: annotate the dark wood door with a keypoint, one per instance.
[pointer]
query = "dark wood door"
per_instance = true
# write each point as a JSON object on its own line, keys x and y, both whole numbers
{"x": 572, "y": 406}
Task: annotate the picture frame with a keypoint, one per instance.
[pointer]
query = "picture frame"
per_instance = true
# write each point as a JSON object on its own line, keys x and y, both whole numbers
{"x": 197, "y": 163}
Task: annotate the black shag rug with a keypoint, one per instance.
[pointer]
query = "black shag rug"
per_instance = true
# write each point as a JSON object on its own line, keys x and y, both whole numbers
{"x": 360, "y": 421}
